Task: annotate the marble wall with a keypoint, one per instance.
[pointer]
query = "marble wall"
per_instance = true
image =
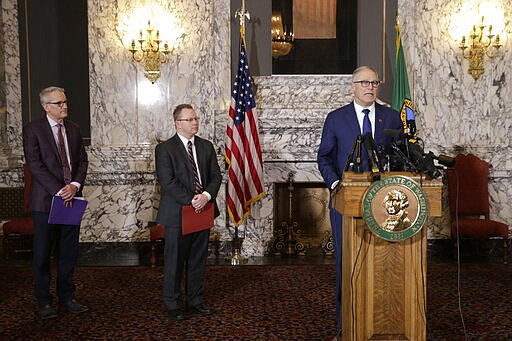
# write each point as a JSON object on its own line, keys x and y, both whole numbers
{"x": 129, "y": 115}
{"x": 455, "y": 111}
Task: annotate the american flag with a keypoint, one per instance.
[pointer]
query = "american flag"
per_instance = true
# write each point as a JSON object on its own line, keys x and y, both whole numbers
{"x": 243, "y": 151}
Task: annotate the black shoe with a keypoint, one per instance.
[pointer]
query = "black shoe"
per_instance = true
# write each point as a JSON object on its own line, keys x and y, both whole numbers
{"x": 200, "y": 310}
{"x": 47, "y": 312}
{"x": 74, "y": 307}
{"x": 175, "y": 314}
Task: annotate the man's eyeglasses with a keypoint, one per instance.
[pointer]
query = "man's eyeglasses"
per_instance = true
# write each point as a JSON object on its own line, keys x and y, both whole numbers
{"x": 366, "y": 84}
{"x": 59, "y": 103}
{"x": 189, "y": 119}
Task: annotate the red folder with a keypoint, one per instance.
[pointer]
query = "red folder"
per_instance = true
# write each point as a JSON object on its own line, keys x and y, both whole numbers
{"x": 193, "y": 222}
{"x": 60, "y": 214}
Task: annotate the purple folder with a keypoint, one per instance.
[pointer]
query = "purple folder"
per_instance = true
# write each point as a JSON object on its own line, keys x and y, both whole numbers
{"x": 60, "y": 214}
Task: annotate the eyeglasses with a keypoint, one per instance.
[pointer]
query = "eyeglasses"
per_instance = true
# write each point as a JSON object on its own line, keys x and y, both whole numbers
{"x": 189, "y": 119}
{"x": 366, "y": 84}
{"x": 59, "y": 103}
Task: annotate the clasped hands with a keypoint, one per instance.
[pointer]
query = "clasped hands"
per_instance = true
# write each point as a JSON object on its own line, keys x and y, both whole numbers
{"x": 199, "y": 201}
{"x": 67, "y": 193}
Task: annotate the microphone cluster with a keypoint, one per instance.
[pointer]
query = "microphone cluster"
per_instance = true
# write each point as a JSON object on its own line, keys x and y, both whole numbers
{"x": 407, "y": 154}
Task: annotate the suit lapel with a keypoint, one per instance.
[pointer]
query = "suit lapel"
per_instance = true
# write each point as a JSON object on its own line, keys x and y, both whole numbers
{"x": 70, "y": 137}
{"x": 352, "y": 122}
{"x": 200, "y": 158}
{"x": 379, "y": 123}
{"x": 184, "y": 156}
{"x": 48, "y": 131}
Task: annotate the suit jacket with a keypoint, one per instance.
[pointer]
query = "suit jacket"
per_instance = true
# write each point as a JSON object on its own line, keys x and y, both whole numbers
{"x": 43, "y": 159}
{"x": 176, "y": 177}
{"x": 339, "y": 133}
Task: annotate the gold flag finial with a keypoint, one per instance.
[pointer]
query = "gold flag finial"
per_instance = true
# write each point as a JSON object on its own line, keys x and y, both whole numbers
{"x": 242, "y": 14}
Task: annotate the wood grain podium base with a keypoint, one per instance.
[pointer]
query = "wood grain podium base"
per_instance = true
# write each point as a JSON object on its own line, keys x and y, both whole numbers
{"x": 383, "y": 283}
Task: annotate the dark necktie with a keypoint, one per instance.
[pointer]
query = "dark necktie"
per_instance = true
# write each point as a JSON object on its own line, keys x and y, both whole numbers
{"x": 367, "y": 125}
{"x": 367, "y": 128}
{"x": 197, "y": 183}
{"x": 63, "y": 156}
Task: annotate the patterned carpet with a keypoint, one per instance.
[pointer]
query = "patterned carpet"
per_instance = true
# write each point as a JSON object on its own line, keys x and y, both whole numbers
{"x": 250, "y": 303}
{"x": 285, "y": 302}
{"x": 486, "y": 302}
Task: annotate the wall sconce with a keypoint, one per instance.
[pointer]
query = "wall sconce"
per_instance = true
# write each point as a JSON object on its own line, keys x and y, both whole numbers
{"x": 480, "y": 43}
{"x": 282, "y": 41}
{"x": 150, "y": 53}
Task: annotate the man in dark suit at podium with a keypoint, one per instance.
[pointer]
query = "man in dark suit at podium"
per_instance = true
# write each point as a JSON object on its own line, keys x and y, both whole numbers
{"x": 55, "y": 154}
{"x": 189, "y": 174}
{"x": 340, "y": 130}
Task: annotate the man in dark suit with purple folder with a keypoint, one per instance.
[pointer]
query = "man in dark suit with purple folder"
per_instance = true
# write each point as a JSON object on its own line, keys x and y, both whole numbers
{"x": 189, "y": 174}
{"x": 55, "y": 154}
{"x": 340, "y": 130}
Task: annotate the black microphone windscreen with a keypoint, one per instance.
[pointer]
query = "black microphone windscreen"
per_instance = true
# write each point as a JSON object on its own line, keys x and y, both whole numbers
{"x": 396, "y": 133}
{"x": 446, "y": 160}
{"x": 367, "y": 139}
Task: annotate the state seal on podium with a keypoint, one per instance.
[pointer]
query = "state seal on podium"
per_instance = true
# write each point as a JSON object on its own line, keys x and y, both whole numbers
{"x": 395, "y": 208}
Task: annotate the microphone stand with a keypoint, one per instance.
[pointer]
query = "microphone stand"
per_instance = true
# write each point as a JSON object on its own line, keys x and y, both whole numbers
{"x": 408, "y": 165}
{"x": 369, "y": 145}
{"x": 358, "y": 164}
{"x": 350, "y": 161}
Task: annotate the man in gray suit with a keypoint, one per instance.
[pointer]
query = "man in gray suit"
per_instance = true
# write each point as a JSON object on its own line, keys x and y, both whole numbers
{"x": 189, "y": 174}
{"x": 56, "y": 157}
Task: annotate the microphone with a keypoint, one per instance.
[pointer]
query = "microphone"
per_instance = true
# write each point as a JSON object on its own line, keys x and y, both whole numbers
{"x": 396, "y": 133}
{"x": 354, "y": 162}
{"x": 369, "y": 145}
{"x": 446, "y": 160}
{"x": 358, "y": 164}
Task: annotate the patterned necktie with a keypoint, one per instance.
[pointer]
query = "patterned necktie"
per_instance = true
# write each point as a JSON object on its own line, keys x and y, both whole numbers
{"x": 63, "y": 156}
{"x": 197, "y": 183}
{"x": 367, "y": 128}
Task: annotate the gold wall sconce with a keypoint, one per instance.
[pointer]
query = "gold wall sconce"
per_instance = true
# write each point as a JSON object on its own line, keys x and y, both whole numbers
{"x": 481, "y": 42}
{"x": 282, "y": 41}
{"x": 150, "y": 52}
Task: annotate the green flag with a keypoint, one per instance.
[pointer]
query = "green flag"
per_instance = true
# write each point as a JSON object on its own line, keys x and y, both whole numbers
{"x": 401, "y": 83}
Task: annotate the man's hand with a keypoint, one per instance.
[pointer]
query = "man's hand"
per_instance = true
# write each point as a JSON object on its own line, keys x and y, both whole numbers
{"x": 68, "y": 192}
{"x": 199, "y": 201}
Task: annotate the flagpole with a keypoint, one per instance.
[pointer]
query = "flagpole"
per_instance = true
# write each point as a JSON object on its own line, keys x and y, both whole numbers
{"x": 237, "y": 257}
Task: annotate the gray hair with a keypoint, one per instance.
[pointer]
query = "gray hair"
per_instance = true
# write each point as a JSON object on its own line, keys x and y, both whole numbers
{"x": 363, "y": 68}
{"x": 43, "y": 95}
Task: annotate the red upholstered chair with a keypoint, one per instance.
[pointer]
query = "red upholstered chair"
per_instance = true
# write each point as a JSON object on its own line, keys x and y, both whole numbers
{"x": 18, "y": 231}
{"x": 156, "y": 237}
{"x": 468, "y": 192}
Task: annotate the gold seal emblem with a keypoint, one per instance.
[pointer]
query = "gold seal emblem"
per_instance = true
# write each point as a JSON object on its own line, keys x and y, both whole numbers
{"x": 395, "y": 208}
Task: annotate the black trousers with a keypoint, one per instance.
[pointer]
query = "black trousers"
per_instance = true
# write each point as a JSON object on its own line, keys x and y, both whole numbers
{"x": 65, "y": 238}
{"x": 190, "y": 249}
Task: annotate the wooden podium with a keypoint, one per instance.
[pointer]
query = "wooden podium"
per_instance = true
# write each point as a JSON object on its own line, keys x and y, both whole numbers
{"x": 384, "y": 283}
